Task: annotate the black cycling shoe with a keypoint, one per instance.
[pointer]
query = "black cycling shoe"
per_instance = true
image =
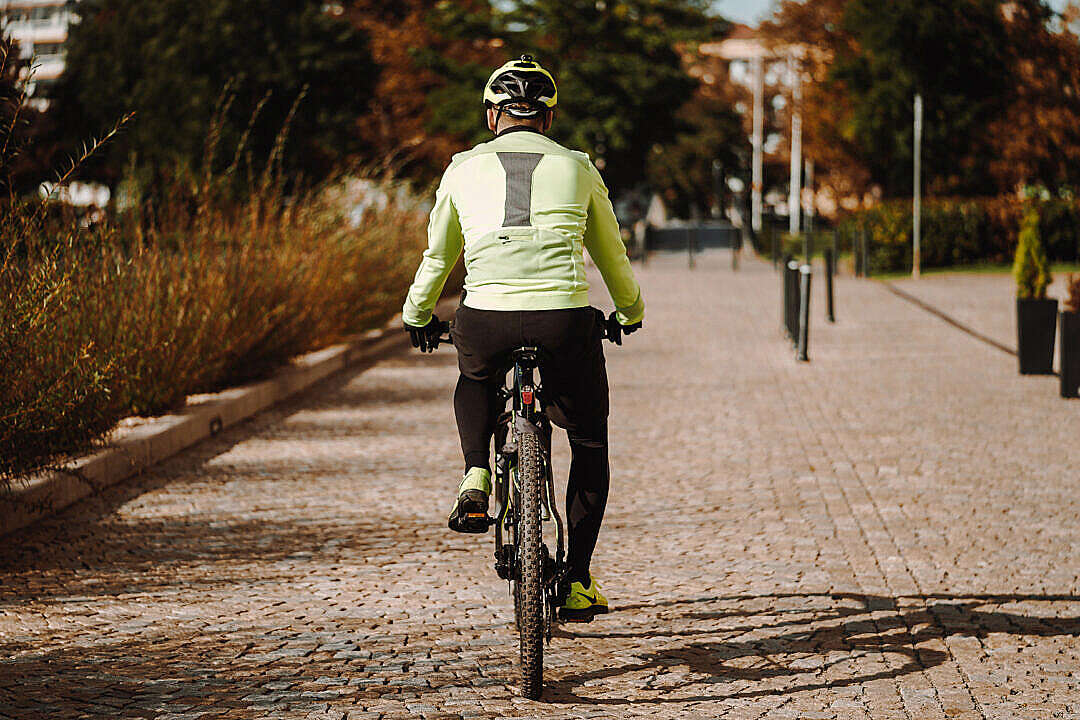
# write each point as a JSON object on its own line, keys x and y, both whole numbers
{"x": 470, "y": 513}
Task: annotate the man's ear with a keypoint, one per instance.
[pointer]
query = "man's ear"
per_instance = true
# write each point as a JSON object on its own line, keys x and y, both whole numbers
{"x": 492, "y": 119}
{"x": 548, "y": 119}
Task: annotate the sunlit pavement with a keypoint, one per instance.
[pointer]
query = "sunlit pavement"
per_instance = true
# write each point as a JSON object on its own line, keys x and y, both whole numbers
{"x": 889, "y": 531}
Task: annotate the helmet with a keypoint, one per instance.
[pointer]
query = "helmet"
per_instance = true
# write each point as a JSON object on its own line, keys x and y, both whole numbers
{"x": 521, "y": 88}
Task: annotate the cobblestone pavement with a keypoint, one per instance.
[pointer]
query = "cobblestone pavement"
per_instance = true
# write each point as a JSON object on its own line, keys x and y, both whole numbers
{"x": 887, "y": 532}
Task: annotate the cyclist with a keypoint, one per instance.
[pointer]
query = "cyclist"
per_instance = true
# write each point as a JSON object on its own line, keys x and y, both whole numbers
{"x": 523, "y": 207}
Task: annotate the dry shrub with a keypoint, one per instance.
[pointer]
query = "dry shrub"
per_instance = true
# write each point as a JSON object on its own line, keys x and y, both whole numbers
{"x": 126, "y": 319}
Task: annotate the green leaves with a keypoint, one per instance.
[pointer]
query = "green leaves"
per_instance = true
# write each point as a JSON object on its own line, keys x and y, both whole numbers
{"x": 617, "y": 63}
{"x": 955, "y": 52}
{"x": 169, "y": 60}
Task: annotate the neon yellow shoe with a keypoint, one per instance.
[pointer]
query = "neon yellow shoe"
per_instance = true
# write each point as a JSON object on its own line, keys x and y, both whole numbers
{"x": 583, "y": 604}
{"x": 469, "y": 514}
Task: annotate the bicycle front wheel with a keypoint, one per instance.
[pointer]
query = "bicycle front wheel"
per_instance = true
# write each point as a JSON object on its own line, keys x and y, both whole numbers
{"x": 530, "y": 567}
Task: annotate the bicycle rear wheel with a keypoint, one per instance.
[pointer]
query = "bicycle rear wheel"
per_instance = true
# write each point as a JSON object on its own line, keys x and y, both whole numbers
{"x": 530, "y": 567}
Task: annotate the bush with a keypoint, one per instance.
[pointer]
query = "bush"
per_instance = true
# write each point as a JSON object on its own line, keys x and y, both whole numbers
{"x": 132, "y": 316}
{"x": 1072, "y": 298}
{"x": 1031, "y": 269}
{"x": 962, "y": 231}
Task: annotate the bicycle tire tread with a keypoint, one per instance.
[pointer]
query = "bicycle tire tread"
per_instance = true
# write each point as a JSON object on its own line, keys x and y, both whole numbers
{"x": 530, "y": 571}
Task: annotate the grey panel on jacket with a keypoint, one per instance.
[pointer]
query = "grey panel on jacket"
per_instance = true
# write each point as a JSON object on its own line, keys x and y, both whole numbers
{"x": 519, "y": 167}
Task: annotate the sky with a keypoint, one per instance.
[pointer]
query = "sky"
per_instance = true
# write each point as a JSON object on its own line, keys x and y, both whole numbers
{"x": 752, "y": 11}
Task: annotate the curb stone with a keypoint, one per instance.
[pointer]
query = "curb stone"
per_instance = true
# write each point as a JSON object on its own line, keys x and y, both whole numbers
{"x": 133, "y": 448}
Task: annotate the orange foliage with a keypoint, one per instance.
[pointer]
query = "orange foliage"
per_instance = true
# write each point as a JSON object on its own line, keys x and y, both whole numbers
{"x": 396, "y": 124}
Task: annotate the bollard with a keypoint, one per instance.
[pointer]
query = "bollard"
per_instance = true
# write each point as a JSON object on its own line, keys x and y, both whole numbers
{"x": 690, "y": 248}
{"x": 830, "y": 270}
{"x": 856, "y": 262}
{"x": 1069, "y": 354}
{"x": 835, "y": 248}
{"x": 772, "y": 243}
{"x": 791, "y": 298}
{"x": 865, "y": 260}
{"x": 804, "y": 313}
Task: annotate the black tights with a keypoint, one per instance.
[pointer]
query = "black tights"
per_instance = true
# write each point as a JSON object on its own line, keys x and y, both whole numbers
{"x": 477, "y": 407}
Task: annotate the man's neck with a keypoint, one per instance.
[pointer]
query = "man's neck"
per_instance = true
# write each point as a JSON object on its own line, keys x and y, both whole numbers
{"x": 519, "y": 128}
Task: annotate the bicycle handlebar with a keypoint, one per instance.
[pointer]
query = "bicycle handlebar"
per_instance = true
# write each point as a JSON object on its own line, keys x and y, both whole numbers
{"x": 446, "y": 338}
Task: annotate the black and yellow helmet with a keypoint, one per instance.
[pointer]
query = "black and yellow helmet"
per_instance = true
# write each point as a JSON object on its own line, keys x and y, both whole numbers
{"x": 521, "y": 88}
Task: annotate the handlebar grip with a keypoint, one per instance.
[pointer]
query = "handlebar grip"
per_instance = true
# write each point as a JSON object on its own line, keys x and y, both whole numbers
{"x": 445, "y": 338}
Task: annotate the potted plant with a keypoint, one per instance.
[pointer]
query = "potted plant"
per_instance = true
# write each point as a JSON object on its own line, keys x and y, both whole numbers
{"x": 1069, "y": 354}
{"x": 1036, "y": 315}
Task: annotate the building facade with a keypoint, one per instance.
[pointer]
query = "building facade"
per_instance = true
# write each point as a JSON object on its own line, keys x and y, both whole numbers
{"x": 40, "y": 29}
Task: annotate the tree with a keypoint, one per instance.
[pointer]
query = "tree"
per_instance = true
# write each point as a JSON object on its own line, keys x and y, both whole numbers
{"x": 617, "y": 63}
{"x": 815, "y": 30}
{"x": 1037, "y": 140}
{"x": 707, "y": 132}
{"x": 170, "y": 61}
{"x": 422, "y": 47}
{"x": 953, "y": 52}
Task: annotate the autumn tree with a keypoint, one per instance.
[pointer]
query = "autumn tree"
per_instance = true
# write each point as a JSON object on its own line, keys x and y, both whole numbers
{"x": 1000, "y": 81}
{"x": 1037, "y": 140}
{"x": 708, "y": 145}
{"x": 422, "y": 47}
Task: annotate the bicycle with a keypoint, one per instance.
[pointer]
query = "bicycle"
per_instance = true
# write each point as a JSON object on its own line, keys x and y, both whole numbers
{"x": 524, "y": 494}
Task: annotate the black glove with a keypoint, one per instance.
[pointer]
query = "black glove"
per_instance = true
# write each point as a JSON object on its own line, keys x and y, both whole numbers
{"x": 426, "y": 338}
{"x": 615, "y": 329}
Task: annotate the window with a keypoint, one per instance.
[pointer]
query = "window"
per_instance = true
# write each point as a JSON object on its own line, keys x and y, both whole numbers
{"x": 48, "y": 50}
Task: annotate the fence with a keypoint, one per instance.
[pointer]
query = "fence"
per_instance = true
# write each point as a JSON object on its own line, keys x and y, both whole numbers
{"x": 694, "y": 238}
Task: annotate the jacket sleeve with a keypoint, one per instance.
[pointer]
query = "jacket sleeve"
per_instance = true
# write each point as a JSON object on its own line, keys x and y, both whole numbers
{"x": 445, "y": 243}
{"x": 604, "y": 243}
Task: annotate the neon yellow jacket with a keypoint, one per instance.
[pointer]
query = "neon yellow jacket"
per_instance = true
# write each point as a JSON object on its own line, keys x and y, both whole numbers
{"x": 523, "y": 208}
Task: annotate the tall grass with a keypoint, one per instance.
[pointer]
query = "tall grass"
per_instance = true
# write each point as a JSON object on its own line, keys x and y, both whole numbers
{"x": 132, "y": 314}
{"x": 98, "y": 324}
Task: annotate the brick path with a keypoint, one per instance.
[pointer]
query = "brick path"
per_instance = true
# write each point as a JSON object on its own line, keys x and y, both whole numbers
{"x": 887, "y": 532}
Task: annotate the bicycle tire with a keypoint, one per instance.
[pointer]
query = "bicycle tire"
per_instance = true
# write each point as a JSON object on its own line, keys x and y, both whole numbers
{"x": 530, "y": 567}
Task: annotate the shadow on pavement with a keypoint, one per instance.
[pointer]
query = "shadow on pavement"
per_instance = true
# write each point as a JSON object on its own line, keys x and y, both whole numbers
{"x": 90, "y": 549}
{"x": 873, "y": 626}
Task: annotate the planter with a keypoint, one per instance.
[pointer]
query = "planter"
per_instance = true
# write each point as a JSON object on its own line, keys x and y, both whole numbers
{"x": 1036, "y": 322}
{"x": 1069, "y": 354}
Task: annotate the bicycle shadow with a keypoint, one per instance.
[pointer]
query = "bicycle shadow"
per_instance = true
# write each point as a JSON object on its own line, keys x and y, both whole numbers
{"x": 900, "y": 628}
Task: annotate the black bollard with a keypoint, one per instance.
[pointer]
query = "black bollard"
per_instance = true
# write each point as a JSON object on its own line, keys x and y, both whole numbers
{"x": 865, "y": 260}
{"x": 856, "y": 261}
{"x": 791, "y": 298}
{"x": 830, "y": 270}
{"x": 690, "y": 247}
{"x": 785, "y": 295}
{"x": 804, "y": 313}
{"x": 1069, "y": 354}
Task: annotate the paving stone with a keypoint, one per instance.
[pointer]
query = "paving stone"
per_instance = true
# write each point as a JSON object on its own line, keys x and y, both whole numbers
{"x": 886, "y": 532}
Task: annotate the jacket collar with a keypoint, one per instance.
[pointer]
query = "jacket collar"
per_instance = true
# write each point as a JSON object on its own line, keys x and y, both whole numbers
{"x": 519, "y": 128}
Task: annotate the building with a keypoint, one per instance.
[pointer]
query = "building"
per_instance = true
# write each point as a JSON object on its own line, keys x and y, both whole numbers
{"x": 40, "y": 29}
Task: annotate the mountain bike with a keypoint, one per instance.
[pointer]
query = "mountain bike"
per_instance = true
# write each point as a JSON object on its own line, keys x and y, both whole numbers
{"x": 524, "y": 495}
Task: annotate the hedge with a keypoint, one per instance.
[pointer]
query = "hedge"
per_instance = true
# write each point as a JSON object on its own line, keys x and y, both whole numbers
{"x": 961, "y": 231}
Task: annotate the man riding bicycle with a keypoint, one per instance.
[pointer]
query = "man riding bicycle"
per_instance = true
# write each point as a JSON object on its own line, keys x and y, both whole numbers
{"x": 523, "y": 208}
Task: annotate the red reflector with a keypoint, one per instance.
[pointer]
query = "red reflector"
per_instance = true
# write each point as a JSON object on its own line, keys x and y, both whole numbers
{"x": 527, "y": 397}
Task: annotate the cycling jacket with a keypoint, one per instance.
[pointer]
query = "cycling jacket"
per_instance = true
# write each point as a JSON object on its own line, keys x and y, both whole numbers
{"x": 523, "y": 208}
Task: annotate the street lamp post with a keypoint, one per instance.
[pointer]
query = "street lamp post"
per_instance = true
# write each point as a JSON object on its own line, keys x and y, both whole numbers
{"x": 795, "y": 194}
{"x": 916, "y": 235}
